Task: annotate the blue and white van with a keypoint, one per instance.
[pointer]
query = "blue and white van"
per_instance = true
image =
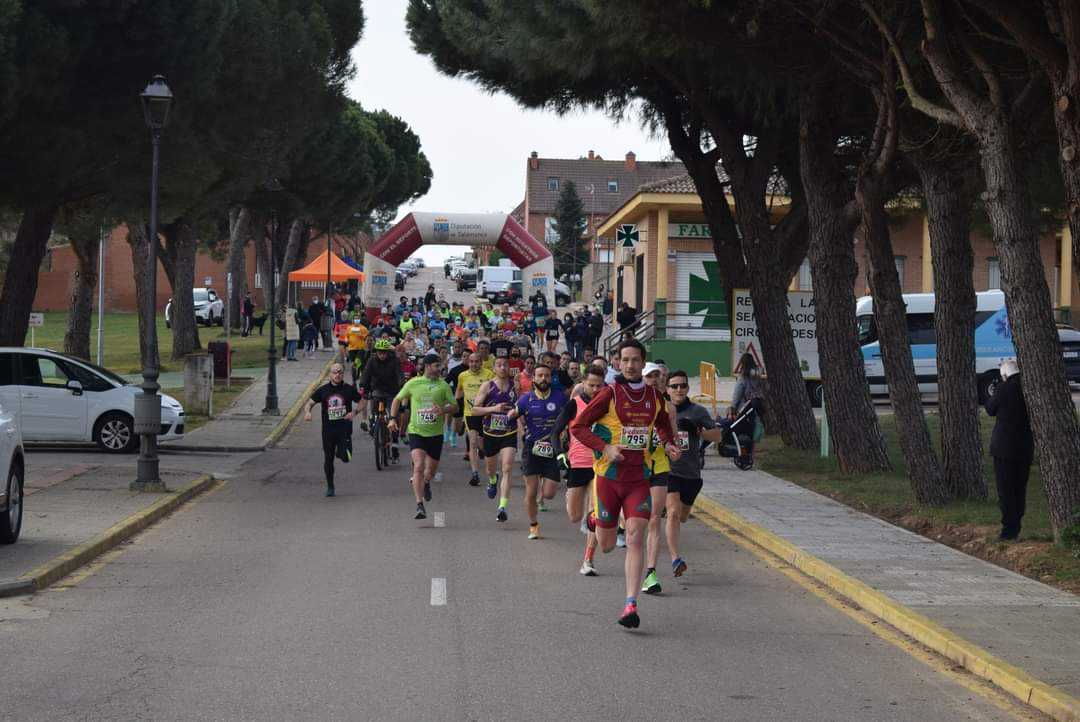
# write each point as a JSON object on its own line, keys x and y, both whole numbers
{"x": 993, "y": 342}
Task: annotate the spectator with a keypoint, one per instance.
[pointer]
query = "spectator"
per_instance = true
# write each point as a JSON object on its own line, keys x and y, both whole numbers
{"x": 749, "y": 385}
{"x": 247, "y": 314}
{"x": 596, "y": 330}
{"x": 446, "y": 269}
{"x": 626, "y": 317}
{"x": 292, "y": 333}
{"x": 315, "y": 312}
{"x": 608, "y": 305}
{"x": 1012, "y": 447}
{"x": 429, "y": 297}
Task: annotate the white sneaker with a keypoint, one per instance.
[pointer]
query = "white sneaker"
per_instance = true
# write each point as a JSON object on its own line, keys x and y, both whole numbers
{"x": 584, "y": 527}
{"x": 620, "y": 541}
{"x": 437, "y": 478}
{"x": 587, "y": 569}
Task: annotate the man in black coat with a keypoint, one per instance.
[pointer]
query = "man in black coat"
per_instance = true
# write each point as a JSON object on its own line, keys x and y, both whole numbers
{"x": 1012, "y": 447}
{"x": 315, "y": 311}
{"x": 627, "y": 316}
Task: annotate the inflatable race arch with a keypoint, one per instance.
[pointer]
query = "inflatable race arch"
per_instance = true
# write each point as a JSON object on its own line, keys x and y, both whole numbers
{"x": 461, "y": 229}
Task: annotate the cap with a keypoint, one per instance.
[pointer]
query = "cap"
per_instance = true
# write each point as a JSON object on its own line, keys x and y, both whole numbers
{"x": 650, "y": 367}
{"x": 432, "y": 358}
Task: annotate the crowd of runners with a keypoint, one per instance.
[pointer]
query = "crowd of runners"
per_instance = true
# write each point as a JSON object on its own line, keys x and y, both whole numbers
{"x": 621, "y": 433}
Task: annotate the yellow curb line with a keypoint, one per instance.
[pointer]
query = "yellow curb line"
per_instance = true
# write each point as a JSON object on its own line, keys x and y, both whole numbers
{"x": 59, "y": 567}
{"x": 1053, "y": 702}
{"x": 292, "y": 413}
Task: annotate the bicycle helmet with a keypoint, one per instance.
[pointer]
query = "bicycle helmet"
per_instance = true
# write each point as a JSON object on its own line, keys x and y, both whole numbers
{"x": 383, "y": 344}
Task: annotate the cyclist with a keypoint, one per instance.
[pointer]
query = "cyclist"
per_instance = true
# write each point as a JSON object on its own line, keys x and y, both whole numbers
{"x": 380, "y": 380}
{"x": 658, "y": 483}
{"x": 468, "y": 386}
{"x": 336, "y": 398}
{"x": 430, "y": 401}
{"x": 536, "y": 413}
{"x": 617, "y": 425}
{"x": 494, "y": 401}
{"x": 580, "y": 459}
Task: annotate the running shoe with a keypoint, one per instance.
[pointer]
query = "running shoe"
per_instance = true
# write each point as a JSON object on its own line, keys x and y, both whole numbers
{"x": 534, "y": 531}
{"x": 678, "y": 567}
{"x": 651, "y": 584}
{"x": 363, "y": 426}
{"x": 541, "y": 505}
{"x": 492, "y": 488}
{"x": 427, "y": 491}
{"x": 587, "y": 568}
{"x": 620, "y": 538}
{"x": 501, "y": 516}
{"x": 329, "y": 491}
{"x": 421, "y": 512}
{"x": 474, "y": 480}
{"x": 629, "y": 617}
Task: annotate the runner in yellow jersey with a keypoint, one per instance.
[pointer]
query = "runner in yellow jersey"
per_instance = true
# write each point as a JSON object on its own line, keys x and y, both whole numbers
{"x": 468, "y": 385}
{"x": 356, "y": 339}
{"x": 658, "y": 483}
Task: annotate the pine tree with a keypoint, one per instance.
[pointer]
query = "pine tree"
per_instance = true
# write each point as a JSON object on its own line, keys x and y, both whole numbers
{"x": 571, "y": 248}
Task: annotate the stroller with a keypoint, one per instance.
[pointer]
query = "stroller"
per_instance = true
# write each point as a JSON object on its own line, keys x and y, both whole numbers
{"x": 740, "y": 435}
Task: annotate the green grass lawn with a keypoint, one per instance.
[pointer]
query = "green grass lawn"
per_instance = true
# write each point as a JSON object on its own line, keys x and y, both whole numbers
{"x": 888, "y": 495}
{"x": 122, "y": 342}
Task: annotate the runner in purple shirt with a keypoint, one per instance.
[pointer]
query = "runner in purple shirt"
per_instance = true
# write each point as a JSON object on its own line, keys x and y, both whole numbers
{"x": 536, "y": 412}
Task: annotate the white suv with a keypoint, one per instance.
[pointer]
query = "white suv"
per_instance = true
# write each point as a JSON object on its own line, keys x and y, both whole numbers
{"x": 59, "y": 398}
{"x": 12, "y": 459}
{"x": 209, "y": 308}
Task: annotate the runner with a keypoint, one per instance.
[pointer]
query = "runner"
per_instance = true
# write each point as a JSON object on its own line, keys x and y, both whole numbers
{"x": 336, "y": 398}
{"x": 580, "y": 459}
{"x": 693, "y": 424}
{"x": 381, "y": 379}
{"x": 468, "y": 386}
{"x": 494, "y": 401}
{"x": 356, "y": 342}
{"x": 551, "y": 331}
{"x": 624, "y": 415}
{"x": 430, "y": 401}
{"x": 536, "y": 413}
{"x": 658, "y": 484}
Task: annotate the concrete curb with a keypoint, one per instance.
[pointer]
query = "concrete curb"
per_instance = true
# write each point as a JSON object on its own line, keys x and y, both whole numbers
{"x": 290, "y": 416}
{"x": 59, "y": 567}
{"x": 1053, "y": 702}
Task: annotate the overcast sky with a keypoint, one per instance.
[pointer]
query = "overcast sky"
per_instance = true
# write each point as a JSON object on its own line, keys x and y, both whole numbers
{"x": 477, "y": 143}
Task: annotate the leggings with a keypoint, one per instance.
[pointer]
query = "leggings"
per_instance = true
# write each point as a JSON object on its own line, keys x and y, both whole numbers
{"x": 330, "y": 440}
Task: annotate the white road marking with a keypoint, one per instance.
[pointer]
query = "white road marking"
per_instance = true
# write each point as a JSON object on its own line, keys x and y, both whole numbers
{"x": 440, "y": 519}
{"x": 438, "y": 591}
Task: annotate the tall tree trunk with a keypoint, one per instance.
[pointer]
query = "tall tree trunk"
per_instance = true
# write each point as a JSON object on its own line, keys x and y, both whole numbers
{"x": 140, "y": 261}
{"x": 178, "y": 259}
{"x": 262, "y": 260}
{"x": 1027, "y": 298}
{"x": 81, "y": 303}
{"x": 21, "y": 278}
{"x": 288, "y": 261}
{"x": 235, "y": 264}
{"x": 890, "y": 317}
{"x": 949, "y": 196}
{"x": 856, "y": 434}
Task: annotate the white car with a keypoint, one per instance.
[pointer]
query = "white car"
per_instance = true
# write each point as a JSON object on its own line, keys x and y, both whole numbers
{"x": 209, "y": 308}
{"x": 59, "y": 398}
{"x": 12, "y": 459}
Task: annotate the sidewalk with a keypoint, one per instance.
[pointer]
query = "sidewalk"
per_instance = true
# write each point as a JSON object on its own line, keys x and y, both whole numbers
{"x": 1024, "y": 623}
{"x": 72, "y": 516}
{"x": 242, "y": 427}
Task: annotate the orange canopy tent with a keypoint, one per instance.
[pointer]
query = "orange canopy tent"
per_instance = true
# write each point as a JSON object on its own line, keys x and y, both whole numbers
{"x": 316, "y": 270}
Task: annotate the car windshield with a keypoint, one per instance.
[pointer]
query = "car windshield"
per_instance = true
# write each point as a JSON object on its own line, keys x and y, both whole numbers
{"x": 200, "y": 296}
{"x": 98, "y": 370}
{"x": 867, "y": 330}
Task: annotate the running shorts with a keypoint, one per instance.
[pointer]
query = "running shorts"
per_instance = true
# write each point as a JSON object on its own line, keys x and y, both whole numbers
{"x": 494, "y": 444}
{"x": 542, "y": 466}
{"x": 475, "y": 423}
{"x": 610, "y": 497}
{"x": 660, "y": 479}
{"x": 579, "y": 477}
{"x": 687, "y": 489}
{"x": 430, "y": 445}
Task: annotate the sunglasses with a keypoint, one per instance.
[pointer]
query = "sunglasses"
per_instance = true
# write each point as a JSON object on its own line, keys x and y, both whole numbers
{"x": 678, "y": 386}
{"x": 332, "y": 373}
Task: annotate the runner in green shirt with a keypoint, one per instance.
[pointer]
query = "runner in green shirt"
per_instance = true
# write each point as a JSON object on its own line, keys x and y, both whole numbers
{"x": 430, "y": 402}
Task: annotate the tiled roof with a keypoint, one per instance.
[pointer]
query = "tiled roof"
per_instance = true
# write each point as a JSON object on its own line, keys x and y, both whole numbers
{"x": 678, "y": 184}
{"x": 591, "y": 178}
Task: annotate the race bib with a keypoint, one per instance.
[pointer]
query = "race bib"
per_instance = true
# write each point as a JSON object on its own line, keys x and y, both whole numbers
{"x": 682, "y": 438}
{"x": 428, "y": 416}
{"x": 544, "y": 449}
{"x": 634, "y": 437}
{"x": 336, "y": 413}
{"x": 499, "y": 422}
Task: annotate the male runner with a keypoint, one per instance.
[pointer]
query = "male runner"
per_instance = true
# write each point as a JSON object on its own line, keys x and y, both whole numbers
{"x": 580, "y": 458}
{"x": 336, "y": 398}
{"x": 493, "y": 402}
{"x": 536, "y": 413}
{"x": 468, "y": 386}
{"x": 625, "y": 414}
{"x": 658, "y": 484}
{"x": 430, "y": 401}
{"x": 693, "y": 423}
{"x": 483, "y": 347}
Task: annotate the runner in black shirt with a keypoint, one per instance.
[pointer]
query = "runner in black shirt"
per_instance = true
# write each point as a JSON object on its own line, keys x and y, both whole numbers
{"x": 336, "y": 399}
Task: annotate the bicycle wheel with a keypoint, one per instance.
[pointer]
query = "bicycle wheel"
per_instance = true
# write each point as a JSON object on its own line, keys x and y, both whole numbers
{"x": 380, "y": 443}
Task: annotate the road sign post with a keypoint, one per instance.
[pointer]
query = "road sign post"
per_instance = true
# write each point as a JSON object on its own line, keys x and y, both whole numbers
{"x": 36, "y": 319}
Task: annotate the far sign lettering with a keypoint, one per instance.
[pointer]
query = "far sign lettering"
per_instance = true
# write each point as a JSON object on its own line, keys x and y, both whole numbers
{"x": 208, "y": 281}
{"x": 37, "y": 319}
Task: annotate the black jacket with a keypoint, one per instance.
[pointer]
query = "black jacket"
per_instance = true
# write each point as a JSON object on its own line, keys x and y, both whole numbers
{"x": 1012, "y": 431}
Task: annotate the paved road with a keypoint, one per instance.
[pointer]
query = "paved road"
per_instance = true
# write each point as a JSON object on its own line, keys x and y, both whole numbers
{"x": 265, "y": 600}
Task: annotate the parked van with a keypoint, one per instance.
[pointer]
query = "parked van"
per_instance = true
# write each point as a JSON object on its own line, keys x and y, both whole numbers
{"x": 993, "y": 342}
{"x": 492, "y": 279}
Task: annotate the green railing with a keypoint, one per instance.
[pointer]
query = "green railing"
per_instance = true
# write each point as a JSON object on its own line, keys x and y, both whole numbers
{"x": 692, "y": 321}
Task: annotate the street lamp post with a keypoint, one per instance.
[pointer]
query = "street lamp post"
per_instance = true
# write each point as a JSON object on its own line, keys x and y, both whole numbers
{"x": 271, "y": 408}
{"x": 156, "y": 100}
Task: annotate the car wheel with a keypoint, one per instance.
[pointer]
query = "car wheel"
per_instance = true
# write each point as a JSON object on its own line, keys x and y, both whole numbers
{"x": 11, "y": 519}
{"x": 115, "y": 433}
{"x": 817, "y": 394}
{"x": 987, "y": 386}
{"x": 168, "y": 323}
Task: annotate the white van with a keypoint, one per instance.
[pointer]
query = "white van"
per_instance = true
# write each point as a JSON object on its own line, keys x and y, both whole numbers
{"x": 993, "y": 342}
{"x": 492, "y": 279}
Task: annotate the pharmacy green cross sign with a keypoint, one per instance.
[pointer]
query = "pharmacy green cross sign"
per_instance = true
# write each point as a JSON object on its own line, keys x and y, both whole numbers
{"x": 626, "y": 235}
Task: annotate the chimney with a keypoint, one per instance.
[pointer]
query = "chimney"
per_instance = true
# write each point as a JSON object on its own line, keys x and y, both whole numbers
{"x": 631, "y": 161}
{"x": 592, "y": 156}
{"x": 534, "y": 160}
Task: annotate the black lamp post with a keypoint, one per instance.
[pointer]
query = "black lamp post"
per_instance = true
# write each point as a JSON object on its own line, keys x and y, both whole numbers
{"x": 156, "y": 100}
{"x": 271, "y": 407}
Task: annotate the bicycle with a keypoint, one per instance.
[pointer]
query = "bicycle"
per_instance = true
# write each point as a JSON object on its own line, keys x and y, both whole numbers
{"x": 380, "y": 434}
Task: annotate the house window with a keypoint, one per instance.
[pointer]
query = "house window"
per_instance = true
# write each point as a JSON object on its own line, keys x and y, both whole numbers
{"x": 604, "y": 255}
{"x": 806, "y": 282}
{"x": 551, "y": 236}
{"x": 553, "y": 184}
{"x": 258, "y": 280}
{"x": 993, "y": 274}
{"x": 613, "y": 186}
{"x": 900, "y": 263}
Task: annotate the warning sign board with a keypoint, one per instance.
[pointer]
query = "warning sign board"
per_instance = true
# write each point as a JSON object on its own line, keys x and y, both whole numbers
{"x": 802, "y": 314}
